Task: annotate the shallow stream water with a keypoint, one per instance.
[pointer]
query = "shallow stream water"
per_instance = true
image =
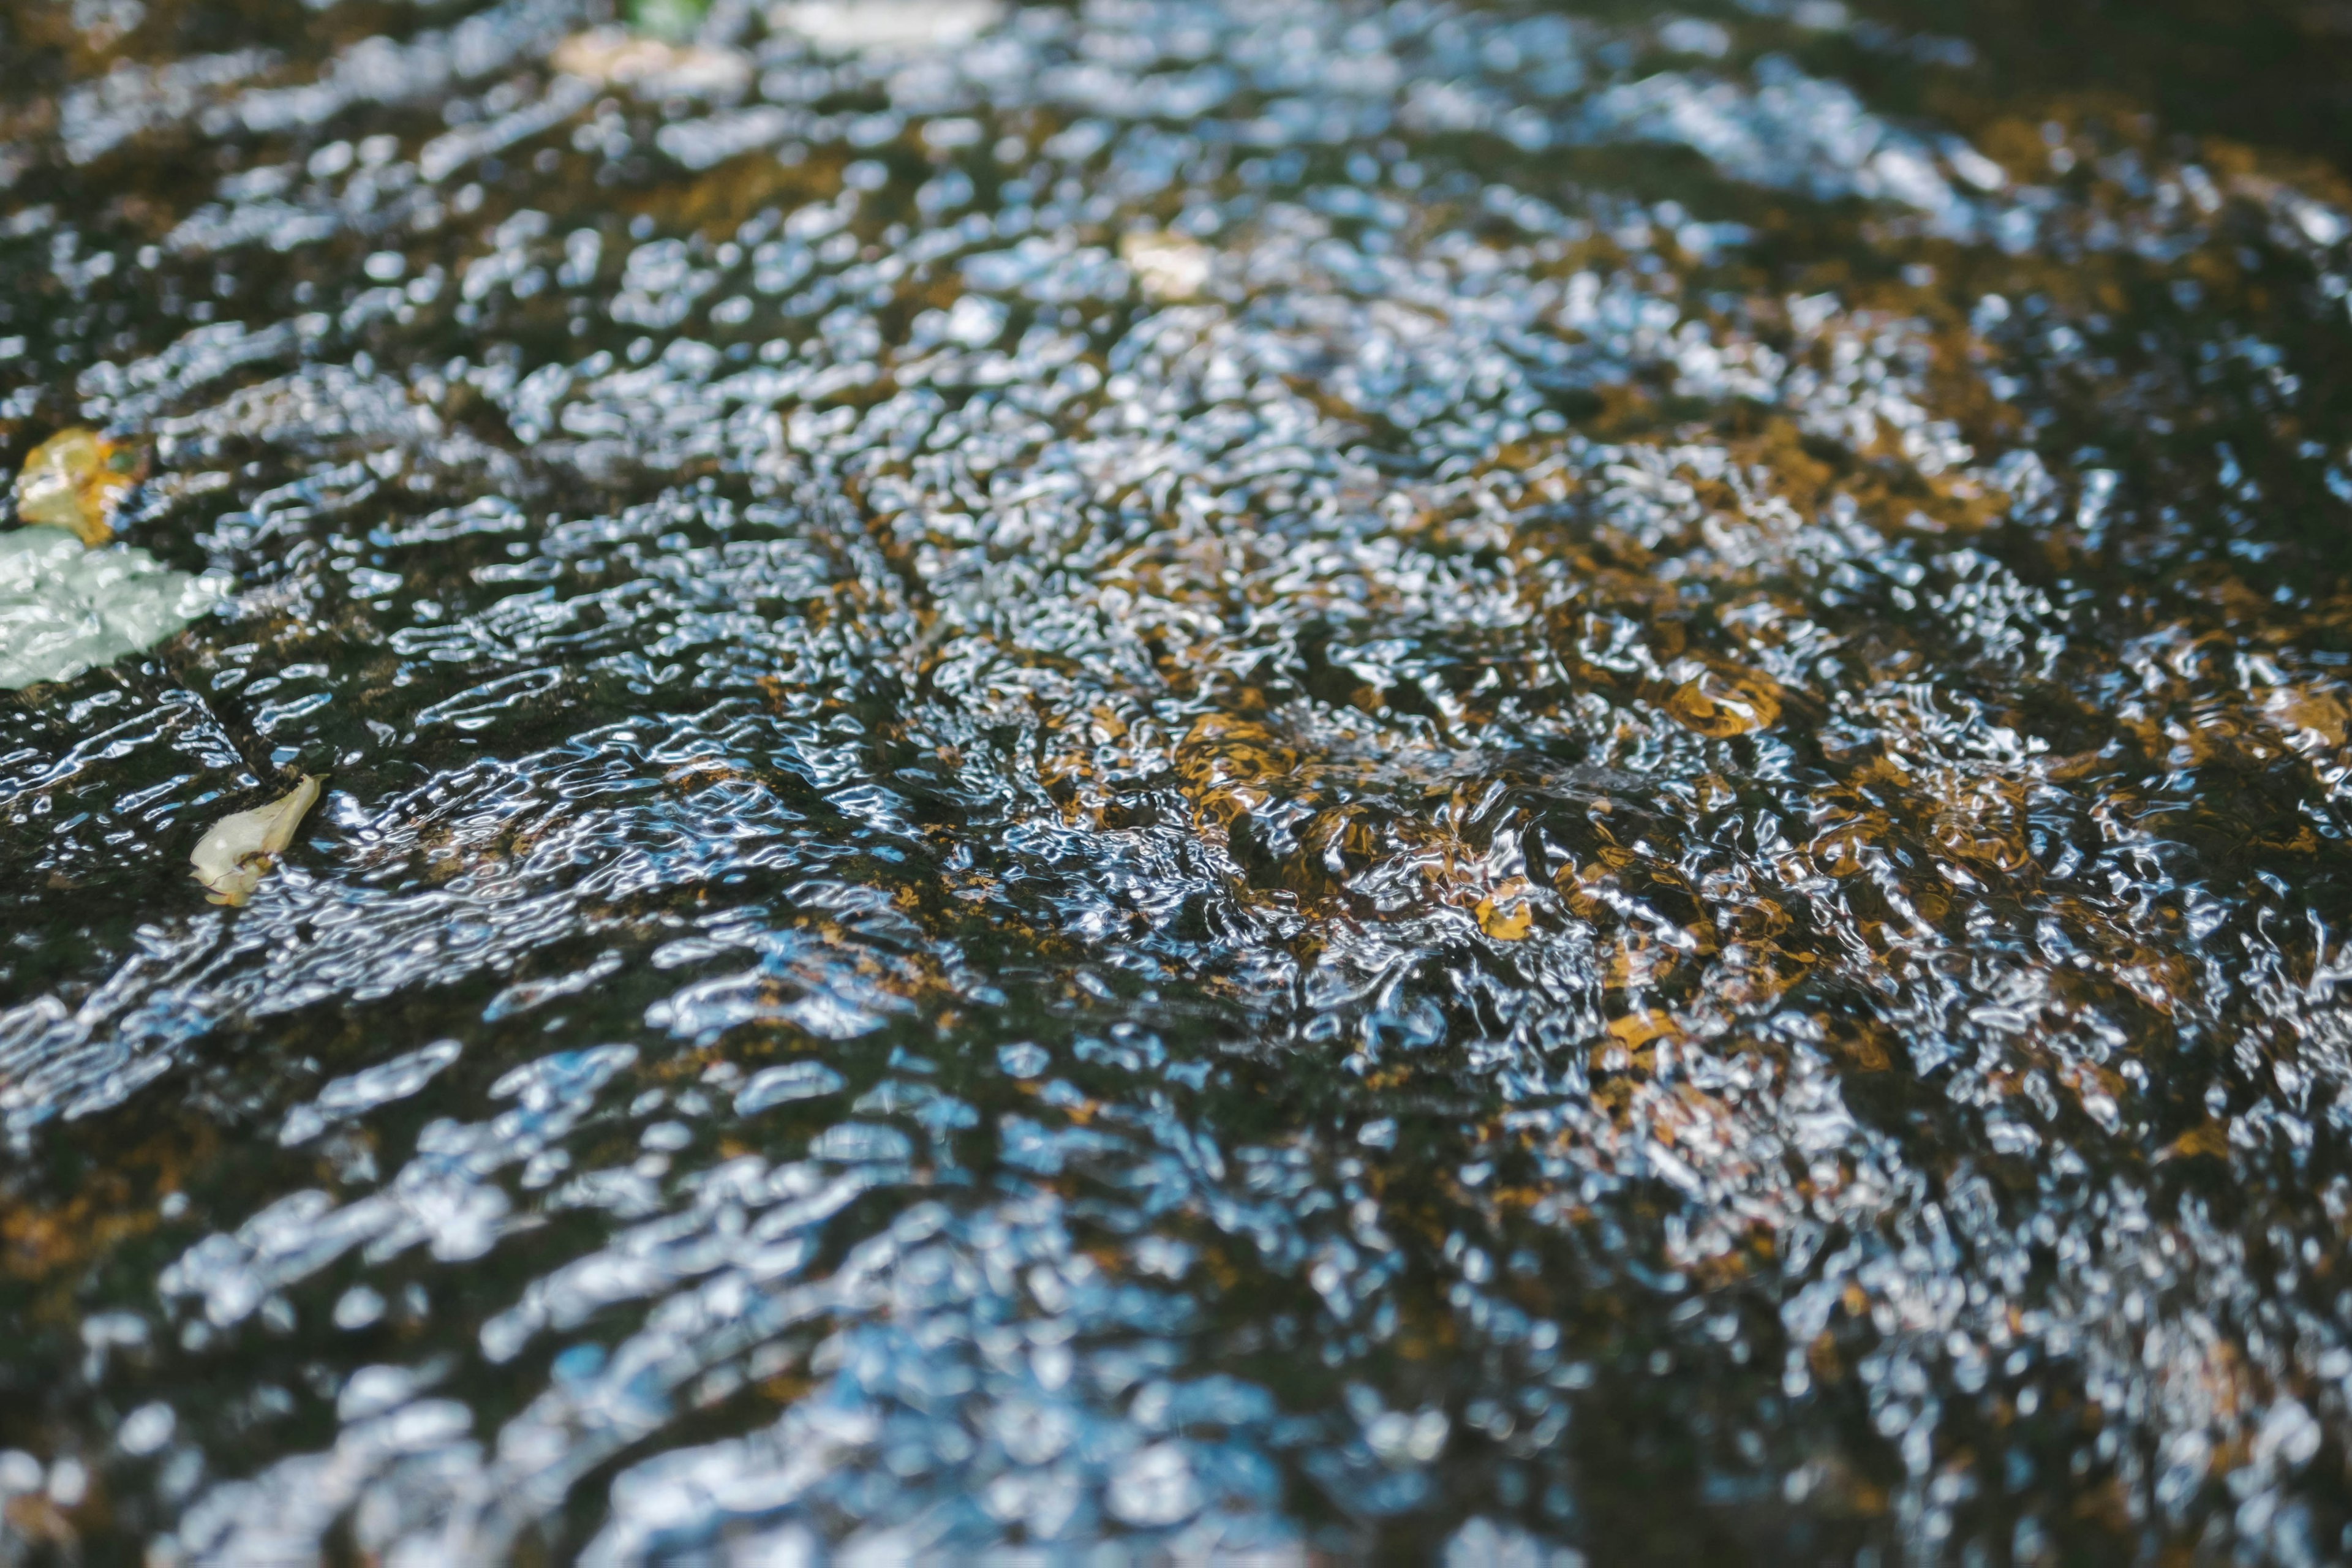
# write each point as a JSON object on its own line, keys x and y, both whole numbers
{"x": 1189, "y": 780}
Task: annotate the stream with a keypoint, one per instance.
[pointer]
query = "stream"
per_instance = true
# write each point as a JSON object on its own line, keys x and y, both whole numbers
{"x": 1182, "y": 781}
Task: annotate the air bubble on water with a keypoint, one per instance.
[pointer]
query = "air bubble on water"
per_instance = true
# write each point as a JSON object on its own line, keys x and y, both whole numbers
{"x": 358, "y": 1308}
{"x": 146, "y": 1429}
{"x": 785, "y": 1082}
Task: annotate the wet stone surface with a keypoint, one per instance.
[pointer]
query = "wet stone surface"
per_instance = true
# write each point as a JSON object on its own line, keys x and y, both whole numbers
{"x": 1453, "y": 783}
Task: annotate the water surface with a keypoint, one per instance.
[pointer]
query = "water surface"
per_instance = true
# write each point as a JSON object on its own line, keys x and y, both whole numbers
{"x": 1630, "y": 846}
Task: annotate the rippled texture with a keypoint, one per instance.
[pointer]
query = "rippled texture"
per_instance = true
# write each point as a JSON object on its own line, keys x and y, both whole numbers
{"x": 1614, "y": 831}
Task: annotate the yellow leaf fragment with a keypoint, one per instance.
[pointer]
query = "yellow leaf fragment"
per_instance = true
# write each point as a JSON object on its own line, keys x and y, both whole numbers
{"x": 239, "y": 850}
{"x": 2308, "y": 710}
{"x": 74, "y": 480}
{"x": 1720, "y": 705}
{"x": 607, "y": 56}
{"x": 1635, "y": 1030}
{"x": 1505, "y": 914}
{"x": 2211, "y": 1141}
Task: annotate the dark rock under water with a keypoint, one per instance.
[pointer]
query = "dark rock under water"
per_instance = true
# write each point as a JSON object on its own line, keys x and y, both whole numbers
{"x": 1171, "y": 780}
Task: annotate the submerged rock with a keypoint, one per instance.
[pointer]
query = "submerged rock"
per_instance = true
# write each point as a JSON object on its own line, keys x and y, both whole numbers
{"x": 65, "y": 609}
{"x": 74, "y": 480}
{"x": 1635, "y": 849}
{"x": 239, "y": 852}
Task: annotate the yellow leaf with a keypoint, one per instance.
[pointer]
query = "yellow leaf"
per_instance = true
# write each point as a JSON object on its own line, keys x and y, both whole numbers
{"x": 1505, "y": 914}
{"x": 74, "y": 480}
{"x": 1721, "y": 705}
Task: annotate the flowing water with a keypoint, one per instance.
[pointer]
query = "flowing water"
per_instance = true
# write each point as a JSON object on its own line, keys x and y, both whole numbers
{"x": 1179, "y": 780}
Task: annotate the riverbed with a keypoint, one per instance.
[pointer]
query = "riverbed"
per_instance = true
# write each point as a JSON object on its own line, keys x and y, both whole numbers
{"x": 1178, "y": 781}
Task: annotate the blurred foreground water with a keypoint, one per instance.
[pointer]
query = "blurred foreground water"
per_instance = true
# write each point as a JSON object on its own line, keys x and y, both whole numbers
{"x": 1188, "y": 780}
